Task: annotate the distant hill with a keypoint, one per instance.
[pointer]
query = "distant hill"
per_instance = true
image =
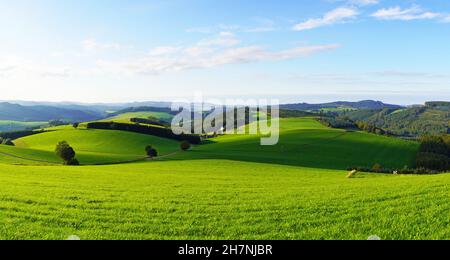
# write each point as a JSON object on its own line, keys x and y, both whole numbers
{"x": 432, "y": 118}
{"x": 15, "y": 112}
{"x": 342, "y": 105}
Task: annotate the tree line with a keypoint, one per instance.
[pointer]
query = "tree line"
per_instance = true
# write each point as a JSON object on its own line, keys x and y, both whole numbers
{"x": 145, "y": 129}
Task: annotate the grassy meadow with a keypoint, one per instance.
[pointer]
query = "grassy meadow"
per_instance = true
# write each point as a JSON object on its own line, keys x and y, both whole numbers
{"x": 229, "y": 188}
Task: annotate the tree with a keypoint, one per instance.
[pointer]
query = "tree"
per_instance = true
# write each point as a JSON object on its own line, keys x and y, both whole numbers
{"x": 185, "y": 145}
{"x": 76, "y": 125}
{"x": 66, "y": 153}
{"x": 151, "y": 152}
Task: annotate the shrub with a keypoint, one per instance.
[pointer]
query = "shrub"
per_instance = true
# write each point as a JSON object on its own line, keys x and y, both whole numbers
{"x": 66, "y": 153}
{"x": 151, "y": 152}
{"x": 76, "y": 125}
{"x": 185, "y": 145}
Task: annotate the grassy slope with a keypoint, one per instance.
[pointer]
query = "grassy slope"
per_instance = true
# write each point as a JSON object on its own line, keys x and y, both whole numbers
{"x": 305, "y": 142}
{"x": 92, "y": 146}
{"x": 218, "y": 199}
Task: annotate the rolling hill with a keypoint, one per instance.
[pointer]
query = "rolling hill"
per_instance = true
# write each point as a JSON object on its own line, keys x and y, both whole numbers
{"x": 411, "y": 121}
{"x": 303, "y": 142}
{"x": 91, "y": 146}
{"x": 340, "y": 105}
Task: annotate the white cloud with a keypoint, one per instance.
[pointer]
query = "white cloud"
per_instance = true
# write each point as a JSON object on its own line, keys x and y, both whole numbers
{"x": 338, "y": 15}
{"x": 409, "y": 14}
{"x": 93, "y": 45}
{"x": 192, "y": 58}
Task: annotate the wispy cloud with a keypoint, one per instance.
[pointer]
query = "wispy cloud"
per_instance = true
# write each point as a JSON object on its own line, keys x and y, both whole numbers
{"x": 339, "y": 15}
{"x": 408, "y": 14}
{"x": 194, "y": 57}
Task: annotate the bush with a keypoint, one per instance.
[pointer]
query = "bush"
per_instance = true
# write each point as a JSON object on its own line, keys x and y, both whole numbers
{"x": 66, "y": 153}
{"x": 151, "y": 152}
{"x": 76, "y": 125}
{"x": 185, "y": 145}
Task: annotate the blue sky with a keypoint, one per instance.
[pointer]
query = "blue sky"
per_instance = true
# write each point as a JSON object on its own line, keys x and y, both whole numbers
{"x": 294, "y": 50}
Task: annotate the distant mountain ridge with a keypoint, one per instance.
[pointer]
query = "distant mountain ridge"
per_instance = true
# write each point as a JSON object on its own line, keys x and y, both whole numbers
{"x": 16, "y": 112}
{"x": 365, "y": 104}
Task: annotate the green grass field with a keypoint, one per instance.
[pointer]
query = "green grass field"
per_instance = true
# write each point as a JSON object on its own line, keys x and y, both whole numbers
{"x": 231, "y": 188}
{"x": 218, "y": 199}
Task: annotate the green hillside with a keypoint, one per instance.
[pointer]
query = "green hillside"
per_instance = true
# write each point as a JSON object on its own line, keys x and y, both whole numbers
{"x": 92, "y": 146}
{"x": 412, "y": 121}
{"x": 305, "y": 142}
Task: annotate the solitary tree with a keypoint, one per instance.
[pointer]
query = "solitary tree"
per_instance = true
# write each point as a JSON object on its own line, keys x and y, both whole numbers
{"x": 76, "y": 125}
{"x": 151, "y": 152}
{"x": 66, "y": 153}
{"x": 185, "y": 145}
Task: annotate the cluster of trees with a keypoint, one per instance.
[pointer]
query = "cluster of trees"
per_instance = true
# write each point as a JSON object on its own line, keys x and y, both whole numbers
{"x": 338, "y": 122}
{"x": 365, "y": 126}
{"x": 66, "y": 153}
{"x": 434, "y": 153}
{"x": 145, "y": 129}
{"x": 344, "y": 122}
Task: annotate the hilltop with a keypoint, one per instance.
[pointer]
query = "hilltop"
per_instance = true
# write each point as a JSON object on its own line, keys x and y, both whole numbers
{"x": 431, "y": 118}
